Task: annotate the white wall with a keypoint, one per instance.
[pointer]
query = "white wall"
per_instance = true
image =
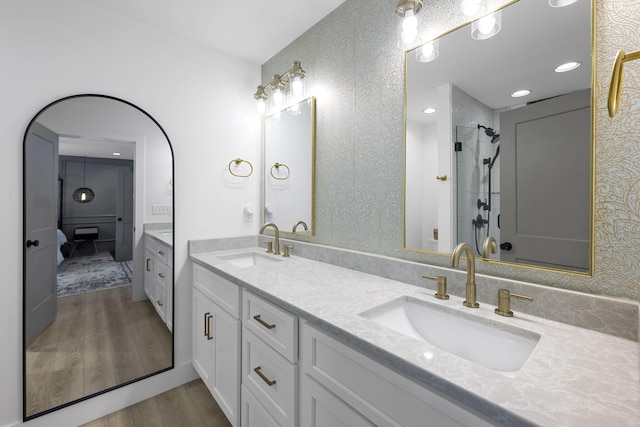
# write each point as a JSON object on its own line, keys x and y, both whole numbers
{"x": 55, "y": 49}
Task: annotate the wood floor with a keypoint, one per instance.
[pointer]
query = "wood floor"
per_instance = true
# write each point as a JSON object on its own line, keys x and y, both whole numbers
{"x": 98, "y": 340}
{"x": 189, "y": 405}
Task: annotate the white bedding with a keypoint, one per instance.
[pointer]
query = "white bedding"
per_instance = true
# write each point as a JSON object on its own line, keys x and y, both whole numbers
{"x": 62, "y": 239}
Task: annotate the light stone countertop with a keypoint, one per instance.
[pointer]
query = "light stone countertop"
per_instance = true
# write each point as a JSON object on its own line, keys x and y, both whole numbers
{"x": 164, "y": 236}
{"x": 574, "y": 376}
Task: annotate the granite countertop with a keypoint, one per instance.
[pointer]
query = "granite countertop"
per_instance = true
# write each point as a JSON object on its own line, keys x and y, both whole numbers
{"x": 574, "y": 376}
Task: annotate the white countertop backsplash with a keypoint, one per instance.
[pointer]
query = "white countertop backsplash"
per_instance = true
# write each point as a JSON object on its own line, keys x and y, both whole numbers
{"x": 582, "y": 376}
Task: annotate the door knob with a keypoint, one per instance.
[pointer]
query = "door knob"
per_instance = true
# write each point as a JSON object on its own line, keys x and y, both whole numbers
{"x": 506, "y": 246}
{"x": 32, "y": 243}
{"x": 119, "y": 219}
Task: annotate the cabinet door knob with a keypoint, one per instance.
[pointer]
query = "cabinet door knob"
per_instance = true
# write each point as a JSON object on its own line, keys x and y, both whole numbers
{"x": 262, "y": 322}
{"x": 32, "y": 243}
{"x": 262, "y": 376}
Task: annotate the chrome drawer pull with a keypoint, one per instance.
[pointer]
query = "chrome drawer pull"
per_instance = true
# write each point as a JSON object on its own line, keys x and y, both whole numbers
{"x": 262, "y": 322}
{"x": 261, "y": 375}
{"x": 209, "y": 336}
{"x": 161, "y": 253}
{"x": 206, "y": 324}
{"x": 161, "y": 275}
{"x": 148, "y": 260}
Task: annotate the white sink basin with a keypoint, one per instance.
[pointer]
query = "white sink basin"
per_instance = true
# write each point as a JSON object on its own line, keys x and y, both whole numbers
{"x": 493, "y": 345}
{"x": 250, "y": 259}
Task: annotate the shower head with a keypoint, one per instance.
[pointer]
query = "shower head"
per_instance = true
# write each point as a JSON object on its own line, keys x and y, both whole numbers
{"x": 495, "y": 136}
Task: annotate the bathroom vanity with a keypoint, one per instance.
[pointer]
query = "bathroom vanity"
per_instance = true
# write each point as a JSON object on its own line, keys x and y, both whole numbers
{"x": 158, "y": 272}
{"x": 313, "y": 343}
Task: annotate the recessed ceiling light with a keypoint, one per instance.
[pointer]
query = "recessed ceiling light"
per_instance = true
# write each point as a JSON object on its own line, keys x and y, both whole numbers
{"x": 429, "y": 110}
{"x": 116, "y": 154}
{"x": 567, "y": 67}
{"x": 519, "y": 93}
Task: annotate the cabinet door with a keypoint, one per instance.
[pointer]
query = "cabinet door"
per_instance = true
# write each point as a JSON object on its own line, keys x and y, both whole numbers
{"x": 224, "y": 380}
{"x": 149, "y": 275}
{"x": 203, "y": 348}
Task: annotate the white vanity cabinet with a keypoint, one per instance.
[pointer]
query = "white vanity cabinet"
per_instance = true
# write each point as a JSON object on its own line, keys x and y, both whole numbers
{"x": 341, "y": 387}
{"x": 158, "y": 276}
{"x": 269, "y": 364}
{"x": 216, "y": 344}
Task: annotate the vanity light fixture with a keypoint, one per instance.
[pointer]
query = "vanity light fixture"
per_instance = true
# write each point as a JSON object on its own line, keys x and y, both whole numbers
{"x": 408, "y": 22}
{"x": 487, "y": 26}
{"x": 428, "y": 51}
{"x": 561, "y": 3}
{"x": 520, "y": 93}
{"x": 568, "y": 66}
{"x": 291, "y": 80}
{"x": 429, "y": 110}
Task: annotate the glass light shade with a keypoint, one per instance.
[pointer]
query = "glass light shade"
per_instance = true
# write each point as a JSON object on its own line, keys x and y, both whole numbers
{"x": 428, "y": 51}
{"x": 561, "y": 3}
{"x": 278, "y": 97}
{"x": 472, "y": 7}
{"x": 408, "y": 29}
{"x": 261, "y": 106}
{"x": 487, "y": 26}
{"x": 297, "y": 87}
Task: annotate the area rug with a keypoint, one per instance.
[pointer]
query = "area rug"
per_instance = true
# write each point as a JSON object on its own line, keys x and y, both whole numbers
{"x": 77, "y": 275}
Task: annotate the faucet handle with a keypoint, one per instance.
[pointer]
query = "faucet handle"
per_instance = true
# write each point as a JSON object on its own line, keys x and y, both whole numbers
{"x": 269, "y": 247}
{"x": 442, "y": 286}
{"x": 504, "y": 302}
{"x": 286, "y": 250}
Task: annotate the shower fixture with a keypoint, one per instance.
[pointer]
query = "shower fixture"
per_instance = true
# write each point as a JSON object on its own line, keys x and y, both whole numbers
{"x": 495, "y": 136}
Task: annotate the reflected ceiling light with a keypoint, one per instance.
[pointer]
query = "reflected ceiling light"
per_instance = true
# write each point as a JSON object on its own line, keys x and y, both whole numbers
{"x": 429, "y": 110}
{"x": 116, "y": 154}
{"x": 83, "y": 194}
{"x": 428, "y": 51}
{"x": 487, "y": 26}
{"x": 292, "y": 80}
{"x": 408, "y": 22}
{"x": 567, "y": 67}
{"x": 472, "y": 7}
{"x": 520, "y": 93}
{"x": 561, "y": 3}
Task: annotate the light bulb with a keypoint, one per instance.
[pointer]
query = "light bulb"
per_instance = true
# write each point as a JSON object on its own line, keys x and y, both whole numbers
{"x": 469, "y": 7}
{"x": 297, "y": 86}
{"x": 83, "y": 197}
{"x": 427, "y": 52}
{"x": 261, "y": 107}
{"x": 278, "y": 97}
{"x": 486, "y": 24}
{"x": 409, "y": 32}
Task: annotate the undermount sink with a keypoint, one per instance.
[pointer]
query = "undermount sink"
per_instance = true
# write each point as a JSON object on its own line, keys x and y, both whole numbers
{"x": 250, "y": 259}
{"x": 496, "y": 346}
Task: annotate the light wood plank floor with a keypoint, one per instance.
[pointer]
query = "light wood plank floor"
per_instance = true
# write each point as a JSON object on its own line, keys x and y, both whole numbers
{"x": 190, "y": 405}
{"x": 98, "y": 340}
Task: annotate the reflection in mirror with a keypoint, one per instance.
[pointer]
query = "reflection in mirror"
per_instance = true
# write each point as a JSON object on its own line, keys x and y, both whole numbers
{"x": 289, "y": 146}
{"x": 95, "y": 170}
{"x": 486, "y": 163}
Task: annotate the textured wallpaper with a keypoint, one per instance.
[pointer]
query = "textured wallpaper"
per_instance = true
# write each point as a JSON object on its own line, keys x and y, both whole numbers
{"x": 357, "y": 73}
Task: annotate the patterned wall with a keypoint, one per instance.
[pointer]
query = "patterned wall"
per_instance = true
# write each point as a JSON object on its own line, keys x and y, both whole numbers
{"x": 357, "y": 73}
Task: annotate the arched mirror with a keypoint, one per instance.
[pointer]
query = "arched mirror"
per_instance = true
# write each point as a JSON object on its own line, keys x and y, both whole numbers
{"x": 98, "y": 183}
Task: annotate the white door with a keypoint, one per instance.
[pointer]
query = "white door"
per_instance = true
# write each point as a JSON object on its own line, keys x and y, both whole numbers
{"x": 124, "y": 214}
{"x": 545, "y": 183}
{"x": 40, "y": 240}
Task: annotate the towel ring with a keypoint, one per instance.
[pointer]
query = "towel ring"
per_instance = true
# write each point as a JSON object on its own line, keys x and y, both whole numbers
{"x": 237, "y": 162}
{"x": 615, "y": 88}
{"x": 278, "y": 166}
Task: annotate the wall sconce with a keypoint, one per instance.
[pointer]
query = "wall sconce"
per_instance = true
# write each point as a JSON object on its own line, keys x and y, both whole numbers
{"x": 292, "y": 80}
{"x": 408, "y": 22}
{"x": 487, "y": 26}
{"x": 615, "y": 87}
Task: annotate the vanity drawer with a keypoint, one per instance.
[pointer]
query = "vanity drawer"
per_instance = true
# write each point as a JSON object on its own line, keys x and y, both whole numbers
{"x": 271, "y": 378}
{"x": 275, "y": 326}
{"x": 157, "y": 249}
{"x": 219, "y": 290}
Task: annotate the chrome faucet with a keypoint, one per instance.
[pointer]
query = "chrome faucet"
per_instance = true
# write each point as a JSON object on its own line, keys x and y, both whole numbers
{"x": 302, "y": 223}
{"x": 277, "y": 232}
{"x": 489, "y": 245}
{"x": 470, "y": 300}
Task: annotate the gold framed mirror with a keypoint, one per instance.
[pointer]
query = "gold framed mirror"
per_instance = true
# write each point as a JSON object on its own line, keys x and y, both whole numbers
{"x": 486, "y": 163}
{"x": 88, "y": 324}
{"x": 289, "y": 145}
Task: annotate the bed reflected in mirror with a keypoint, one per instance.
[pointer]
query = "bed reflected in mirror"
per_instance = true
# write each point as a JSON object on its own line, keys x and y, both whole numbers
{"x": 96, "y": 169}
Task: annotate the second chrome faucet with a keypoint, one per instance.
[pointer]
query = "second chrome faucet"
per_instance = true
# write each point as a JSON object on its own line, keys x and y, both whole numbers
{"x": 470, "y": 300}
